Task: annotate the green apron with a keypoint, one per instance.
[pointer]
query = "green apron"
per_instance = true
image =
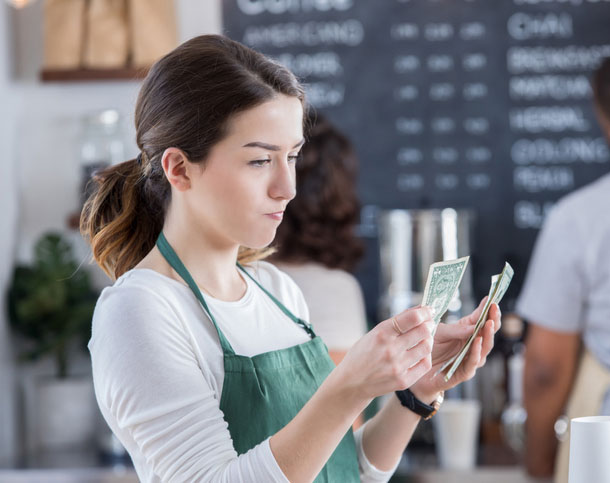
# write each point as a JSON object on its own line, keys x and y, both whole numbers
{"x": 262, "y": 394}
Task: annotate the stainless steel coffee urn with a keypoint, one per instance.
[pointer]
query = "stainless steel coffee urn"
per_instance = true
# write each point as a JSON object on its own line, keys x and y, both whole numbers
{"x": 410, "y": 241}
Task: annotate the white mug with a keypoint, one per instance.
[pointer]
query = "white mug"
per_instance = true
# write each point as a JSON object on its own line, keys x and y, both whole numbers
{"x": 456, "y": 433}
{"x": 589, "y": 449}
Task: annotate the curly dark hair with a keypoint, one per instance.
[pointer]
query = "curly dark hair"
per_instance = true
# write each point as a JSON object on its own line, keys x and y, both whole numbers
{"x": 319, "y": 223}
{"x": 601, "y": 87}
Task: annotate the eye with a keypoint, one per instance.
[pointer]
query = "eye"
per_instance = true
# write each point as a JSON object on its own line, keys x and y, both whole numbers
{"x": 259, "y": 163}
{"x": 294, "y": 157}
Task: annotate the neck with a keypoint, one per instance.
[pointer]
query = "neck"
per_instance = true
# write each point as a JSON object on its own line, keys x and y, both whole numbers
{"x": 210, "y": 260}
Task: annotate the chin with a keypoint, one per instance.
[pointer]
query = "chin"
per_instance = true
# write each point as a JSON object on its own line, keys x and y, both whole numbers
{"x": 260, "y": 242}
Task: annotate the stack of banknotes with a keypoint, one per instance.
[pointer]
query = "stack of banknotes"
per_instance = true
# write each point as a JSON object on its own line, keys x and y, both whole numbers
{"x": 441, "y": 287}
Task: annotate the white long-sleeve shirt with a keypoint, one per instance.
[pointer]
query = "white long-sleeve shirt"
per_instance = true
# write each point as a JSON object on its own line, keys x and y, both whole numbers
{"x": 158, "y": 373}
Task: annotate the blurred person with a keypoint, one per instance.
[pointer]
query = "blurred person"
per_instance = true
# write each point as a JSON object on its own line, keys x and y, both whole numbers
{"x": 316, "y": 243}
{"x": 205, "y": 363}
{"x": 566, "y": 300}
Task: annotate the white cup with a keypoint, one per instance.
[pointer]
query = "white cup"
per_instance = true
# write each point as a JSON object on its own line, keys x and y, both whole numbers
{"x": 456, "y": 433}
{"x": 589, "y": 449}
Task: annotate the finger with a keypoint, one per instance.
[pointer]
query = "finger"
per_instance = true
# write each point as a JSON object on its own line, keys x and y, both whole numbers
{"x": 474, "y": 316}
{"x": 416, "y": 335}
{"x": 496, "y": 315}
{"x": 472, "y": 361}
{"x": 488, "y": 341}
{"x": 417, "y": 371}
{"x": 410, "y": 318}
{"x": 419, "y": 351}
{"x": 450, "y": 332}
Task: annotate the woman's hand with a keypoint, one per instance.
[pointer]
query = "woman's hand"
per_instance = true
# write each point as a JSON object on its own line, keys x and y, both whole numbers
{"x": 448, "y": 340}
{"x": 392, "y": 356}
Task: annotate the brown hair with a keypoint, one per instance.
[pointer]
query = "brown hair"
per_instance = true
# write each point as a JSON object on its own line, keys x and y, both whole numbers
{"x": 319, "y": 222}
{"x": 601, "y": 88}
{"x": 186, "y": 101}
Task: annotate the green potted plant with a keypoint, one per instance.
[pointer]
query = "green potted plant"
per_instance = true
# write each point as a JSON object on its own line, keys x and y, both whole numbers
{"x": 50, "y": 305}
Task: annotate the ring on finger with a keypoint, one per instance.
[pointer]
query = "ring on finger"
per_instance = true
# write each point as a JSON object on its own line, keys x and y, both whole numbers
{"x": 396, "y": 326}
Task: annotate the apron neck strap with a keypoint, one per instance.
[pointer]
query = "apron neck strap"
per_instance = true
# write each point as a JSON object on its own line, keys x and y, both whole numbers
{"x": 281, "y": 306}
{"x": 172, "y": 258}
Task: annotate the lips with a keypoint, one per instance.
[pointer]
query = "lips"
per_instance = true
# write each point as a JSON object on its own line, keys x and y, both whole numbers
{"x": 276, "y": 216}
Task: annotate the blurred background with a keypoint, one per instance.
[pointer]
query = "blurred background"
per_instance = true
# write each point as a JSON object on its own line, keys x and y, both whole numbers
{"x": 469, "y": 118}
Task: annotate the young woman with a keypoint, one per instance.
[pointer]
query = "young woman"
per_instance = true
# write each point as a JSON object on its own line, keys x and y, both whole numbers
{"x": 204, "y": 361}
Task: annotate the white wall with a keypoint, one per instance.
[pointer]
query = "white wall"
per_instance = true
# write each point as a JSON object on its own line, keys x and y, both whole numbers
{"x": 8, "y": 216}
{"x": 39, "y": 134}
{"x": 49, "y": 114}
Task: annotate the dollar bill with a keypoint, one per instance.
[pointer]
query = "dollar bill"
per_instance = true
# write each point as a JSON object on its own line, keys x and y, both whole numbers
{"x": 441, "y": 285}
{"x": 499, "y": 286}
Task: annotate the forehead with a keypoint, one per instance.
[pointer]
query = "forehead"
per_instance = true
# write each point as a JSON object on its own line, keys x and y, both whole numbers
{"x": 278, "y": 121}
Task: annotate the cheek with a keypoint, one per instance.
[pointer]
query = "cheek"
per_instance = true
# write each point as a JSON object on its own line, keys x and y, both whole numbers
{"x": 235, "y": 195}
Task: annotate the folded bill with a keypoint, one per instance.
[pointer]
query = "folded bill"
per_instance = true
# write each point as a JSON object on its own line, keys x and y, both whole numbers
{"x": 499, "y": 286}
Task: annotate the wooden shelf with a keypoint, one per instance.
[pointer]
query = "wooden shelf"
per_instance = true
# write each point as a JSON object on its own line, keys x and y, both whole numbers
{"x": 84, "y": 75}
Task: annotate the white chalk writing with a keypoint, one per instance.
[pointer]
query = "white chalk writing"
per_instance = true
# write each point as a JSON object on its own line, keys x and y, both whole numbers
{"x": 406, "y": 63}
{"x": 324, "y": 94}
{"x": 531, "y": 214}
{"x": 566, "y": 150}
{"x": 556, "y": 87}
{"x": 256, "y": 7}
{"x": 320, "y": 64}
{"x": 534, "y": 179}
{"x": 478, "y": 154}
{"x": 552, "y": 118}
{"x": 348, "y": 32}
{"x": 546, "y": 60}
{"x": 407, "y": 156}
{"x": 524, "y": 26}
{"x": 409, "y": 126}
{"x": 410, "y": 182}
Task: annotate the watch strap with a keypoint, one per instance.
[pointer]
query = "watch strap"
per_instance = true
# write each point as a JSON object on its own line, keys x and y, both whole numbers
{"x": 408, "y": 400}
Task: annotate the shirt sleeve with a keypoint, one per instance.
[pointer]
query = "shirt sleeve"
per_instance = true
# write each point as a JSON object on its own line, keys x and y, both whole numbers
{"x": 368, "y": 472}
{"x": 148, "y": 377}
{"x": 553, "y": 293}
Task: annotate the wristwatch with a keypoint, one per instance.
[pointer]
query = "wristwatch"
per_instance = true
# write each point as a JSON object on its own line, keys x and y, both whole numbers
{"x": 408, "y": 400}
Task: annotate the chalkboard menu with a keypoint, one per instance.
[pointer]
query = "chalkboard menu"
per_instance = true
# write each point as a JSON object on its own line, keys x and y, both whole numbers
{"x": 479, "y": 104}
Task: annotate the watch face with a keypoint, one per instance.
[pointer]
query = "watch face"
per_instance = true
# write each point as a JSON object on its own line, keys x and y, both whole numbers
{"x": 436, "y": 405}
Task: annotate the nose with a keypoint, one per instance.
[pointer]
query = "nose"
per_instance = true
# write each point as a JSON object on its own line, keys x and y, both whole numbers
{"x": 283, "y": 184}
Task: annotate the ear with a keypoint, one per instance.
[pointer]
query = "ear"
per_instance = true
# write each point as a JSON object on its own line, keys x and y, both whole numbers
{"x": 177, "y": 167}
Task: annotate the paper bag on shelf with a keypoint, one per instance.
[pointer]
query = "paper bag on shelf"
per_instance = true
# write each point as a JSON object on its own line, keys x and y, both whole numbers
{"x": 153, "y": 30}
{"x": 64, "y": 22}
{"x": 106, "y": 44}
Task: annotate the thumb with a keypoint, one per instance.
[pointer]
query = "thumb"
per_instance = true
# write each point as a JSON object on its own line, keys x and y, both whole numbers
{"x": 454, "y": 331}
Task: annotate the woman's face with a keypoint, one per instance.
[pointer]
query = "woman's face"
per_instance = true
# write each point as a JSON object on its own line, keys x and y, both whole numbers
{"x": 249, "y": 176}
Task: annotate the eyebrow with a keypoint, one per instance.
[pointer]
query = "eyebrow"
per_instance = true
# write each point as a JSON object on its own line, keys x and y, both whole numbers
{"x": 271, "y": 147}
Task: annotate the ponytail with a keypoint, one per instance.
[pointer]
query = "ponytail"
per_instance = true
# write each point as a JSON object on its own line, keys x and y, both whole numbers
{"x": 119, "y": 220}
